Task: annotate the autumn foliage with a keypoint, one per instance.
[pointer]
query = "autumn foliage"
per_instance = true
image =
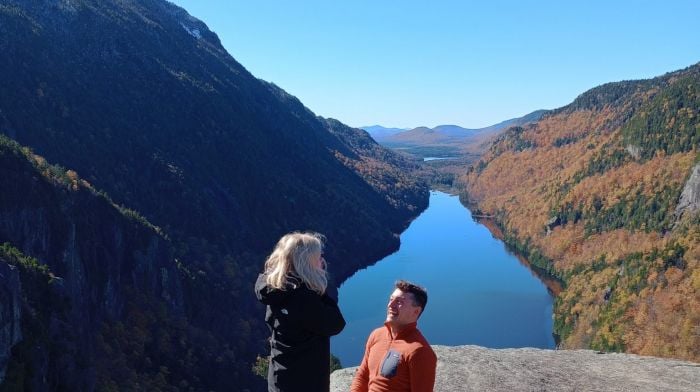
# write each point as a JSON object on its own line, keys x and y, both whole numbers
{"x": 593, "y": 191}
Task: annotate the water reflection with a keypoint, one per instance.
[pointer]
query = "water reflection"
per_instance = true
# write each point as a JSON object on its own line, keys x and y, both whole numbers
{"x": 553, "y": 285}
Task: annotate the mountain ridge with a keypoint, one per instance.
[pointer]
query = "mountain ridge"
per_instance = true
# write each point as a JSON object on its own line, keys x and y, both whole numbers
{"x": 378, "y": 132}
{"x": 452, "y": 140}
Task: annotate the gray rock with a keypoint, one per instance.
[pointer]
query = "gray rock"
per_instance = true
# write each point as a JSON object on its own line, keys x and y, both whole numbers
{"x": 690, "y": 197}
{"x": 635, "y": 151}
{"x": 473, "y": 368}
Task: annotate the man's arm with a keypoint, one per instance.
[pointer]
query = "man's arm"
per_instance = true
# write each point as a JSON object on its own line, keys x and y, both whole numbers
{"x": 422, "y": 366}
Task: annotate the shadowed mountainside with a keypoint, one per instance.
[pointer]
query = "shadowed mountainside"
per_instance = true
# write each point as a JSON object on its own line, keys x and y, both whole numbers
{"x": 141, "y": 101}
{"x": 93, "y": 263}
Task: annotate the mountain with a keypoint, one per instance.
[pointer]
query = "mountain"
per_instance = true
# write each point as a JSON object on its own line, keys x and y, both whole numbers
{"x": 515, "y": 122}
{"x": 139, "y": 101}
{"x": 379, "y": 132}
{"x": 428, "y": 136}
{"x": 453, "y": 131}
{"x": 452, "y": 140}
{"x": 604, "y": 194}
{"x": 93, "y": 266}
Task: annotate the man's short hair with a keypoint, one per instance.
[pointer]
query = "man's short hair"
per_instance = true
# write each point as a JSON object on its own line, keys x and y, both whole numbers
{"x": 420, "y": 295}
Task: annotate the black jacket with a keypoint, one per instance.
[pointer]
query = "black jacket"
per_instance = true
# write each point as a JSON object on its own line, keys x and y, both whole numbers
{"x": 302, "y": 323}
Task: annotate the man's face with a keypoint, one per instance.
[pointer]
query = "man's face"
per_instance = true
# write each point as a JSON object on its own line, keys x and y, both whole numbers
{"x": 401, "y": 310}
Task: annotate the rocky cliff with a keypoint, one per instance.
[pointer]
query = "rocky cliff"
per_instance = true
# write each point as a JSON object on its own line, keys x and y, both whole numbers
{"x": 100, "y": 259}
{"x": 690, "y": 196}
{"x": 10, "y": 313}
{"x": 473, "y": 368}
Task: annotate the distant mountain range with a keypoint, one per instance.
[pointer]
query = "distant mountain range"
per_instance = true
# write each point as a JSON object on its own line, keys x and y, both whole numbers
{"x": 379, "y": 132}
{"x": 514, "y": 122}
{"x": 447, "y": 139}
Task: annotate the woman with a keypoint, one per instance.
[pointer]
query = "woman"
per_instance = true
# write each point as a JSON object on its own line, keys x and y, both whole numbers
{"x": 300, "y": 314}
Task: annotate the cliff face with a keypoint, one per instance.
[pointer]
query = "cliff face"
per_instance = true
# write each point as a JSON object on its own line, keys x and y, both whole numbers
{"x": 690, "y": 196}
{"x": 100, "y": 261}
{"x": 10, "y": 313}
{"x": 142, "y": 101}
{"x": 594, "y": 194}
{"x": 473, "y": 368}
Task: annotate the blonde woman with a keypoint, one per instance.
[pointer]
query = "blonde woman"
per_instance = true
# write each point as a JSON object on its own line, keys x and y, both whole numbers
{"x": 300, "y": 314}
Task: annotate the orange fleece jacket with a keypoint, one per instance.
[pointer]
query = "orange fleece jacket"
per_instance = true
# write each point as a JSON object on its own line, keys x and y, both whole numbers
{"x": 405, "y": 362}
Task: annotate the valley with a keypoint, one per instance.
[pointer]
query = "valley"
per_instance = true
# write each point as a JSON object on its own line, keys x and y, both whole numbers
{"x": 146, "y": 173}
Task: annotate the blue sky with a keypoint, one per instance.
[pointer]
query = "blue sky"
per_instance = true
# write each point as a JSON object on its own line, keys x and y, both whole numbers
{"x": 426, "y": 63}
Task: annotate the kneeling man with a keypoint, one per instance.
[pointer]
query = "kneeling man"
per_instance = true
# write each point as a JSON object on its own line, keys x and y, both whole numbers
{"x": 397, "y": 356}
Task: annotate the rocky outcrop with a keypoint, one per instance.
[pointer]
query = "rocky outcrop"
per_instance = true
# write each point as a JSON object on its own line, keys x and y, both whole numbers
{"x": 99, "y": 259}
{"x": 10, "y": 313}
{"x": 473, "y": 368}
{"x": 690, "y": 197}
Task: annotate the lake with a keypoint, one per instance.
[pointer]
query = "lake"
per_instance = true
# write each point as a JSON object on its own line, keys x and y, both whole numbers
{"x": 428, "y": 159}
{"x": 478, "y": 292}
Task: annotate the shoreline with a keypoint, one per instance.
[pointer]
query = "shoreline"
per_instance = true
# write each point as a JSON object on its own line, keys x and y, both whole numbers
{"x": 554, "y": 285}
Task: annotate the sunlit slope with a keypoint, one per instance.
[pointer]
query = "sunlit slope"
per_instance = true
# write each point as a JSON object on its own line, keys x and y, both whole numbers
{"x": 600, "y": 194}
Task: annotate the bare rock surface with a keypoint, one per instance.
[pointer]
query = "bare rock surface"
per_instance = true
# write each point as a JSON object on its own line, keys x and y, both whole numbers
{"x": 690, "y": 197}
{"x": 474, "y": 368}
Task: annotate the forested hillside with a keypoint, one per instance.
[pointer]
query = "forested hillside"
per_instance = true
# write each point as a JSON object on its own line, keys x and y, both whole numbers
{"x": 142, "y": 107}
{"x": 600, "y": 194}
{"x": 100, "y": 288}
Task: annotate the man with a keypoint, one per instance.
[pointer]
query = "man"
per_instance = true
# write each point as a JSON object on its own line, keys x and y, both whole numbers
{"x": 397, "y": 356}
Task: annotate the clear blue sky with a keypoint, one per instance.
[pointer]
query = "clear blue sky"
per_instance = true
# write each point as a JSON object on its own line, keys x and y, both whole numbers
{"x": 405, "y": 63}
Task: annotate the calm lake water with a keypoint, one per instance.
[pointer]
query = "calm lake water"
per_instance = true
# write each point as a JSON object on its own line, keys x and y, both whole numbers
{"x": 478, "y": 292}
{"x": 427, "y": 159}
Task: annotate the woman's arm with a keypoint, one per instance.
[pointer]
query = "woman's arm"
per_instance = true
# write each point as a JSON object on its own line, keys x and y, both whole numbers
{"x": 322, "y": 315}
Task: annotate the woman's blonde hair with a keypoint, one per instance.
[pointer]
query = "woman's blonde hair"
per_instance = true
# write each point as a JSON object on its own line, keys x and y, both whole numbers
{"x": 292, "y": 255}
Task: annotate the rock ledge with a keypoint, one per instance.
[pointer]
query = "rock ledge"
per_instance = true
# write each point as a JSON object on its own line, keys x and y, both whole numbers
{"x": 474, "y": 368}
